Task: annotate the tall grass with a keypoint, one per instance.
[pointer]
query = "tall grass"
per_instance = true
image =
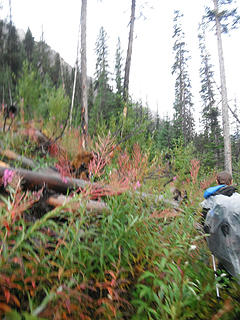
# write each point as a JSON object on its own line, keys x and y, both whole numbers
{"x": 125, "y": 263}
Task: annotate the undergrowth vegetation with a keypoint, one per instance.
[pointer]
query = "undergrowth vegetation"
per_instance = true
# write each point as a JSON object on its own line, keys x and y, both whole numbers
{"x": 141, "y": 259}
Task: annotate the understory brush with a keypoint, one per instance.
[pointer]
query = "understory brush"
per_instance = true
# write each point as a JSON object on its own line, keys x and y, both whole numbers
{"x": 140, "y": 259}
{"x": 126, "y": 264}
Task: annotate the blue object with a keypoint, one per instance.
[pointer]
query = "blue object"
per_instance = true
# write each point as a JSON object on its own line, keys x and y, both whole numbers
{"x": 210, "y": 191}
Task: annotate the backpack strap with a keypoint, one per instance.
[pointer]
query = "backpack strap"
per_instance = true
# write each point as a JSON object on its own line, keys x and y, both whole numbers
{"x": 212, "y": 190}
{"x": 226, "y": 191}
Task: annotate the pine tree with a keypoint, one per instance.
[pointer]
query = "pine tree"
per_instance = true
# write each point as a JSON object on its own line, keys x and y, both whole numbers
{"x": 210, "y": 112}
{"x": 157, "y": 120}
{"x": 119, "y": 103}
{"x": 2, "y": 42}
{"x": 41, "y": 56}
{"x": 55, "y": 71}
{"x": 118, "y": 69}
{"x": 164, "y": 136}
{"x": 183, "y": 106}
{"x": 236, "y": 133}
{"x": 3, "y": 66}
{"x": 102, "y": 73}
{"x": 13, "y": 51}
{"x": 101, "y": 82}
{"x": 28, "y": 44}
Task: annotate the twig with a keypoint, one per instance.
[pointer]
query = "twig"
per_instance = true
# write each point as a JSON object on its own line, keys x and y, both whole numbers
{"x": 159, "y": 198}
{"x": 215, "y": 270}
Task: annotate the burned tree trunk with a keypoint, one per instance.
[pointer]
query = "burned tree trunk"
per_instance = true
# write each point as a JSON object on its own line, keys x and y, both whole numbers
{"x": 225, "y": 117}
{"x": 129, "y": 52}
{"x": 84, "y": 97}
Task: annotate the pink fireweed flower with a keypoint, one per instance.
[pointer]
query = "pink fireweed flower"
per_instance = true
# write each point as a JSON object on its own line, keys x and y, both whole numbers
{"x": 7, "y": 177}
{"x": 137, "y": 185}
{"x": 64, "y": 180}
{"x": 62, "y": 173}
{"x": 174, "y": 178}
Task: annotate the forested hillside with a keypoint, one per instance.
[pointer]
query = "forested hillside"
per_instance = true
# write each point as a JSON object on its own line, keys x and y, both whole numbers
{"x": 100, "y": 214}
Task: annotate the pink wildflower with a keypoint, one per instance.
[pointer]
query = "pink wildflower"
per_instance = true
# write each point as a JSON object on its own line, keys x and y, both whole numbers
{"x": 7, "y": 177}
{"x": 64, "y": 179}
{"x": 137, "y": 185}
{"x": 61, "y": 171}
{"x": 174, "y": 178}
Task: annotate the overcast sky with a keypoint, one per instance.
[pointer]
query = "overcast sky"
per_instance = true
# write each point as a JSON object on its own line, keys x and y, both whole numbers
{"x": 152, "y": 59}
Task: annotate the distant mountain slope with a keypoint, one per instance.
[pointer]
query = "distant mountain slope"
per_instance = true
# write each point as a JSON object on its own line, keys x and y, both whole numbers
{"x": 51, "y": 52}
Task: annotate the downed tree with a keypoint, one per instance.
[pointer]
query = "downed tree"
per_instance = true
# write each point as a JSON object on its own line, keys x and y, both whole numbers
{"x": 61, "y": 200}
{"x": 52, "y": 181}
{"x": 156, "y": 199}
{"x": 63, "y": 185}
{"x": 4, "y": 164}
{"x": 11, "y": 155}
{"x": 26, "y": 162}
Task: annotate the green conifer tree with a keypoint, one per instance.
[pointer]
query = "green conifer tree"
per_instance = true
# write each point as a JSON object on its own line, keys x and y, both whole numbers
{"x": 210, "y": 114}
{"x": 41, "y": 57}
{"x": 183, "y": 106}
{"x": 164, "y": 136}
{"x": 55, "y": 71}
{"x": 104, "y": 99}
{"x": 28, "y": 44}
{"x": 13, "y": 50}
{"x": 236, "y": 134}
{"x": 2, "y": 41}
{"x": 118, "y": 69}
{"x": 3, "y": 66}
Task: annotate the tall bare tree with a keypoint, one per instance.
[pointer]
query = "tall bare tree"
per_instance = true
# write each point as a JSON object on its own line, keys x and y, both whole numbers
{"x": 129, "y": 52}
{"x": 84, "y": 87}
{"x": 225, "y": 116}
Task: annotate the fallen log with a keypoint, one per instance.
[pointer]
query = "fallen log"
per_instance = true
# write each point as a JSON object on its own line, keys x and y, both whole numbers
{"x": 35, "y": 134}
{"x": 26, "y": 162}
{"x": 157, "y": 199}
{"x": 52, "y": 181}
{"x": 4, "y": 164}
{"x": 90, "y": 205}
{"x": 66, "y": 184}
{"x": 11, "y": 155}
{"x": 32, "y": 133}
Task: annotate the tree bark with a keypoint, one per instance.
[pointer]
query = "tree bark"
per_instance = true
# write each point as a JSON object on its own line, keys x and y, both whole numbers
{"x": 52, "y": 181}
{"x": 90, "y": 205}
{"x": 225, "y": 116}
{"x": 129, "y": 52}
{"x": 84, "y": 96}
{"x": 11, "y": 155}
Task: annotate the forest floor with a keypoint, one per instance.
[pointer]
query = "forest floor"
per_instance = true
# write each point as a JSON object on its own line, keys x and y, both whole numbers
{"x": 103, "y": 233}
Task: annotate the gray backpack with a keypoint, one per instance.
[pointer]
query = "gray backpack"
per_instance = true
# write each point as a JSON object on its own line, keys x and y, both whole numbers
{"x": 223, "y": 226}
